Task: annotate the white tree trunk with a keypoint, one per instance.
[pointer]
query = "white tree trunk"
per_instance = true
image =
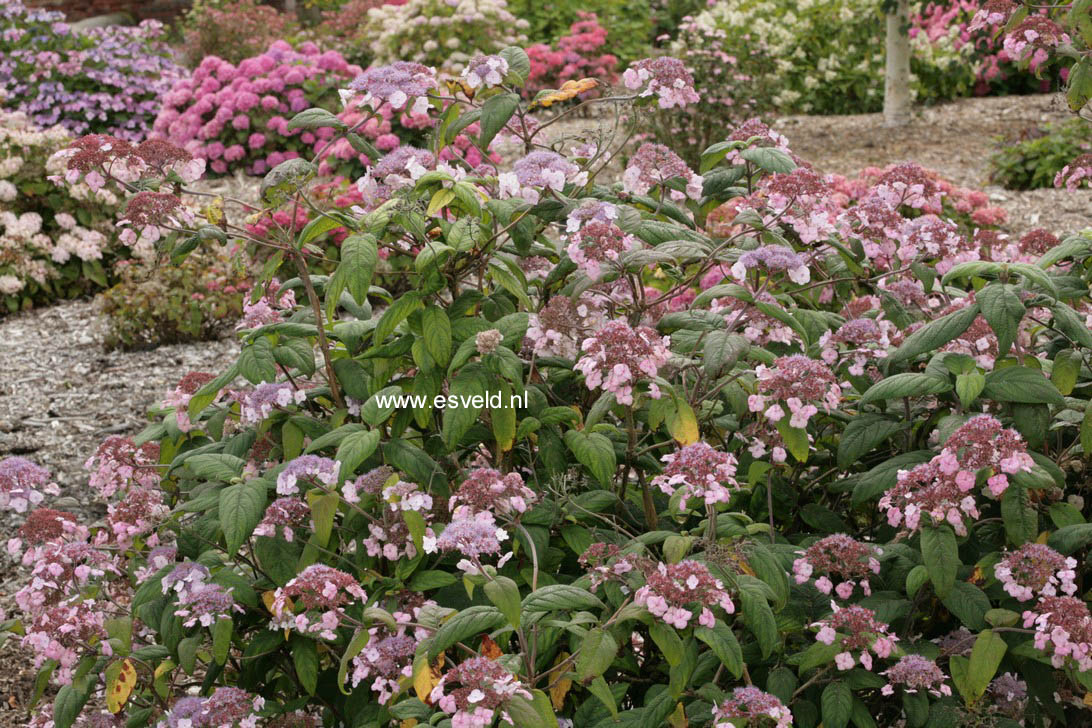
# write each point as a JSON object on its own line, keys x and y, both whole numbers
{"x": 896, "y": 90}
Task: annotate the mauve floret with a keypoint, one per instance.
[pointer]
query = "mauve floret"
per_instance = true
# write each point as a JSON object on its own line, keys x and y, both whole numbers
{"x": 370, "y": 483}
{"x": 799, "y": 382}
{"x": 843, "y": 557}
{"x": 856, "y": 630}
{"x": 310, "y": 468}
{"x": 119, "y": 463}
{"x": 483, "y": 688}
{"x": 205, "y": 605}
{"x": 562, "y": 324}
{"x": 617, "y": 355}
{"x": 664, "y": 76}
{"x": 699, "y": 472}
{"x": 914, "y": 673}
{"x": 140, "y": 512}
{"x": 473, "y": 536}
{"x": 541, "y": 169}
{"x": 597, "y": 245}
{"x": 751, "y": 706}
{"x": 774, "y": 259}
{"x": 23, "y": 484}
{"x": 674, "y": 592}
{"x": 590, "y": 211}
{"x": 322, "y": 591}
{"x": 282, "y": 517}
{"x": 485, "y": 71}
{"x": 396, "y": 84}
{"x": 231, "y": 707}
{"x": 654, "y": 164}
{"x": 259, "y": 403}
{"x": 1064, "y": 626}
{"x": 1036, "y": 569}
{"x": 185, "y": 578}
{"x": 1073, "y": 174}
{"x": 486, "y": 489}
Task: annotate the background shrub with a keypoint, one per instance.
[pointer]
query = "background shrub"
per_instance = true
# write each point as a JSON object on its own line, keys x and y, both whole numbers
{"x": 630, "y": 25}
{"x": 105, "y": 80}
{"x": 577, "y": 54}
{"x": 440, "y": 33}
{"x": 236, "y": 116}
{"x": 156, "y": 303}
{"x": 1033, "y": 161}
{"x": 55, "y": 241}
{"x": 232, "y": 30}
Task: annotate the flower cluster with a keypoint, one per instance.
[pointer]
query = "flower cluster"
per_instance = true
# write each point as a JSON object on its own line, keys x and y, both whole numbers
{"x": 858, "y": 634}
{"x": 618, "y": 355}
{"x": 797, "y": 381}
{"x": 848, "y": 560}
{"x": 308, "y": 468}
{"x": 1036, "y": 569}
{"x": 597, "y": 245}
{"x": 23, "y": 484}
{"x": 537, "y": 171}
{"x": 773, "y": 259}
{"x": 322, "y": 592}
{"x": 914, "y": 673}
{"x": 559, "y": 327}
{"x": 698, "y": 471}
{"x": 674, "y": 592}
{"x": 120, "y": 464}
{"x": 747, "y": 704}
{"x": 653, "y": 165}
{"x": 604, "y": 561}
{"x": 387, "y": 659}
{"x": 666, "y": 77}
{"x": 227, "y": 707}
{"x": 483, "y": 688}
{"x": 282, "y": 517}
{"x": 441, "y": 33}
{"x": 473, "y": 535}
{"x": 259, "y": 403}
{"x": 486, "y": 489}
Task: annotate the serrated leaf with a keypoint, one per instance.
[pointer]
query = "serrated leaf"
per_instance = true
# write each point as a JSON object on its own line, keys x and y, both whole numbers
{"x": 941, "y": 556}
{"x": 862, "y": 435}
{"x": 837, "y": 705}
{"x": 905, "y": 385}
{"x": 935, "y": 334}
{"x": 595, "y": 452}
{"x": 241, "y": 509}
{"x": 1021, "y": 384}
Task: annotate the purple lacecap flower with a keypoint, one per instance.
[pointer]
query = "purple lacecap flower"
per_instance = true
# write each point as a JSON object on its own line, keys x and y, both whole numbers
{"x": 396, "y": 84}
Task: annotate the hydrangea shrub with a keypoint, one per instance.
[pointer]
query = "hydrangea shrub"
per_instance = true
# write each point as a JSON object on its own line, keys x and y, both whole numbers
{"x": 104, "y": 80}
{"x": 55, "y": 241}
{"x": 717, "y": 445}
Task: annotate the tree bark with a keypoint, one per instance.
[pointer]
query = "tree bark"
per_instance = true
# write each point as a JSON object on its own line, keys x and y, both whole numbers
{"x": 896, "y": 91}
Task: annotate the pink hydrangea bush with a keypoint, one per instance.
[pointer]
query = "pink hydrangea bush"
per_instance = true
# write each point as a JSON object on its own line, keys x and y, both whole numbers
{"x": 236, "y": 116}
{"x": 573, "y": 57}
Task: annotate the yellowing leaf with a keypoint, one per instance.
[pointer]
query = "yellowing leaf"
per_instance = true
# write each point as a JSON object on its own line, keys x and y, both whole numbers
{"x": 408, "y": 723}
{"x": 678, "y": 718}
{"x": 120, "y": 681}
{"x": 1043, "y": 537}
{"x": 214, "y": 211}
{"x": 568, "y": 90}
{"x": 440, "y": 200}
{"x": 490, "y": 648}
{"x": 1087, "y": 699}
{"x": 683, "y": 424}
{"x": 455, "y": 85}
{"x": 560, "y": 688}
{"x": 426, "y": 677}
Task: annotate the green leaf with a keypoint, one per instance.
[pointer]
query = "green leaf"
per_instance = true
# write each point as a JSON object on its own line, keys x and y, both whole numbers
{"x": 769, "y": 159}
{"x": 468, "y": 384}
{"x": 395, "y": 314}
{"x": 221, "y": 639}
{"x": 1070, "y": 323}
{"x": 295, "y": 354}
{"x": 525, "y": 713}
{"x": 597, "y": 651}
{"x": 1066, "y": 370}
{"x": 667, "y": 639}
{"x": 256, "y": 361}
{"x": 837, "y": 705}
{"x": 496, "y": 112}
{"x": 795, "y": 439}
{"x": 905, "y": 385}
{"x": 759, "y": 618}
{"x": 1068, "y": 539}
{"x": 862, "y": 435}
{"x": 359, "y": 257}
{"x": 1020, "y": 518}
{"x": 1003, "y": 310}
{"x": 722, "y": 351}
{"x": 208, "y": 392}
{"x": 216, "y": 467}
{"x": 595, "y": 452}
{"x": 323, "y": 511}
{"x": 241, "y": 508}
{"x": 504, "y": 593}
{"x": 968, "y": 603}
{"x": 355, "y": 647}
{"x": 986, "y": 657}
{"x": 1021, "y": 384}
{"x": 315, "y": 119}
{"x": 935, "y": 334}
{"x": 355, "y": 448}
{"x": 1079, "y": 85}
{"x": 436, "y": 329}
{"x": 465, "y": 623}
{"x": 519, "y": 65}
{"x": 941, "y": 557}
{"x": 968, "y": 386}
{"x": 599, "y": 688}
{"x": 305, "y": 660}
{"x": 560, "y": 597}
{"x": 722, "y": 641}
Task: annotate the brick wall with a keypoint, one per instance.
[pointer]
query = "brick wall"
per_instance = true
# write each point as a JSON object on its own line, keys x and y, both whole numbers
{"x": 140, "y": 9}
